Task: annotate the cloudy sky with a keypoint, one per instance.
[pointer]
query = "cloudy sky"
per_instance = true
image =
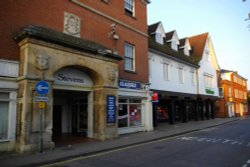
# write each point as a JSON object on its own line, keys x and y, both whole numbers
{"x": 223, "y": 19}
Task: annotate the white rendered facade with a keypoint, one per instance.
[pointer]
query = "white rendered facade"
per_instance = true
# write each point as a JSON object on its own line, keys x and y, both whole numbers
{"x": 181, "y": 77}
{"x": 207, "y": 73}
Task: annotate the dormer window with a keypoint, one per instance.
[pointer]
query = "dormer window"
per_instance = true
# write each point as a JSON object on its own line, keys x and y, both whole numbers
{"x": 186, "y": 51}
{"x": 159, "y": 38}
{"x": 172, "y": 38}
{"x": 174, "y": 45}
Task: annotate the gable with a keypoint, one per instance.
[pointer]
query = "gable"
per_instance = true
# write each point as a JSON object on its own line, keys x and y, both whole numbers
{"x": 212, "y": 54}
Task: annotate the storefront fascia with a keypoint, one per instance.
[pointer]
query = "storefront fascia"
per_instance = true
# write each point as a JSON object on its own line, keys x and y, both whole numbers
{"x": 134, "y": 107}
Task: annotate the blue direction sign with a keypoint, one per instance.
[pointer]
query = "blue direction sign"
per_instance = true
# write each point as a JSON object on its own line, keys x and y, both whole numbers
{"x": 42, "y": 87}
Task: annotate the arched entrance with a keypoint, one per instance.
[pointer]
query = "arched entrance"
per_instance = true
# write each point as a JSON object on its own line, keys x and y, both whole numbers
{"x": 72, "y": 106}
{"x": 44, "y": 53}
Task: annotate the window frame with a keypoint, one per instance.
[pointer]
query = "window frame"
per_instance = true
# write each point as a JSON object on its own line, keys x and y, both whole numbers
{"x": 131, "y": 59}
{"x": 166, "y": 71}
{"x": 129, "y": 103}
{"x": 8, "y": 101}
{"x": 180, "y": 74}
{"x": 193, "y": 78}
{"x": 129, "y": 7}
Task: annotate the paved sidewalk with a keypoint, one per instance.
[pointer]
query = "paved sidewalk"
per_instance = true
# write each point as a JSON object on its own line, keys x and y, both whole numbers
{"x": 93, "y": 147}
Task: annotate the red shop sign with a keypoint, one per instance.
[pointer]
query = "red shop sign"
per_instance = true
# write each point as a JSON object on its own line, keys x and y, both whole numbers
{"x": 155, "y": 97}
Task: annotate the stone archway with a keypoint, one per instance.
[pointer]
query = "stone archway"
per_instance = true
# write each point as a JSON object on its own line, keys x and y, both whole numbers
{"x": 48, "y": 55}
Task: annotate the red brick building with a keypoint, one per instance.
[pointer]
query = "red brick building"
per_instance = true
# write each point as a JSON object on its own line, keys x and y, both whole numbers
{"x": 234, "y": 98}
{"x": 79, "y": 47}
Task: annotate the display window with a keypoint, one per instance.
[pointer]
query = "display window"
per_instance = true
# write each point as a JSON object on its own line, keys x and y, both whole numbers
{"x": 129, "y": 113}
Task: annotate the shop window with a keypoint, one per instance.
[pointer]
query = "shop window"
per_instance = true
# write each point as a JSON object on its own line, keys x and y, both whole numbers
{"x": 129, "y": 113}
{"x": 4, "y": 115}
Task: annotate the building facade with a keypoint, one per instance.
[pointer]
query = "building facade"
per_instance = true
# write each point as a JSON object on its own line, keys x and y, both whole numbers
{"x": 184, "y": 74}
{"x": 79, "y": 48}
{"x": 208, "y": 90}
{"x": 234, "y": 101}
{"x": 173, "y": 76}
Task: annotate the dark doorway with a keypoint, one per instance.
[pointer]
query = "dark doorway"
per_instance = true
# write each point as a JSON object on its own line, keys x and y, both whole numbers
{"x": 70, "y": 117}
{"x": 57, "y": 119}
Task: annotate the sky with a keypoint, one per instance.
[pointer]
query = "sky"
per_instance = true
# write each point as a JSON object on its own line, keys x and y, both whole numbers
{"x": 224, "y": 20}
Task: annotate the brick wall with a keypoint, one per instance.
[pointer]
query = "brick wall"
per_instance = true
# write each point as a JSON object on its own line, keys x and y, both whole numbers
{"x": 95, "y": 27}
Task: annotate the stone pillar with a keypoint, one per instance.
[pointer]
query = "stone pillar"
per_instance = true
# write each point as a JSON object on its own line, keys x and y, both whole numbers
{"x": 103, "y": 130}
{"x": 29, "y": 119}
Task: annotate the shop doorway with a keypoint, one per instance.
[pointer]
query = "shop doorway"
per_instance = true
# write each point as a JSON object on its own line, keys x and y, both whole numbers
{"x": 70, "y": 117}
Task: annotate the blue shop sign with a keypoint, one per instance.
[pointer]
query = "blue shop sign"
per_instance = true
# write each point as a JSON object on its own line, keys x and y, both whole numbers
{"x": 129, "y": 84}
{"x": 111, "y": 109}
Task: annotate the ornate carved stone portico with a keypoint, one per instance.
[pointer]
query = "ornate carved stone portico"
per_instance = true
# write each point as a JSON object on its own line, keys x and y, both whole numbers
{"x": 45, "y": 50}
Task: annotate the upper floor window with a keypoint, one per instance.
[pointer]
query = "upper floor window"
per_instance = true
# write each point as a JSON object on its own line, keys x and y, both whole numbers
{"x": 208, "y": 81}
{"x": 166, "y": 71}
{"x": 129, "y": 54}
{"x": 236, "y": 93}
{"x": 221, "y": 92}
{"x": 244, "y": 83}
{"x": 193, "y": 77}
{"x": 229, "y": 92}
{"x": 180, "y": 74}
{"x": 235, "y": 79}
{"x": 129, "y": 7}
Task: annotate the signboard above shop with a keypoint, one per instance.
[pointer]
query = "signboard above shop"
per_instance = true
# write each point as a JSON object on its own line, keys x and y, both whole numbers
{"x": 73, "y": 77}
{"x": 129, "y": 84}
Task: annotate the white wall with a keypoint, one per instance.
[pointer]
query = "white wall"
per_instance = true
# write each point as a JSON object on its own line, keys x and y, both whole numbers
{"x": 8, "y": 68}
{"x": 208, "y": 66}
{"x": 158, "y": 82}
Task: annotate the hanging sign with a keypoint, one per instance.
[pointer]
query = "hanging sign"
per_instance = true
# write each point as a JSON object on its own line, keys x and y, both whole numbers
{"x": 155, "y": 97}
{"x": 111, "y": 109}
